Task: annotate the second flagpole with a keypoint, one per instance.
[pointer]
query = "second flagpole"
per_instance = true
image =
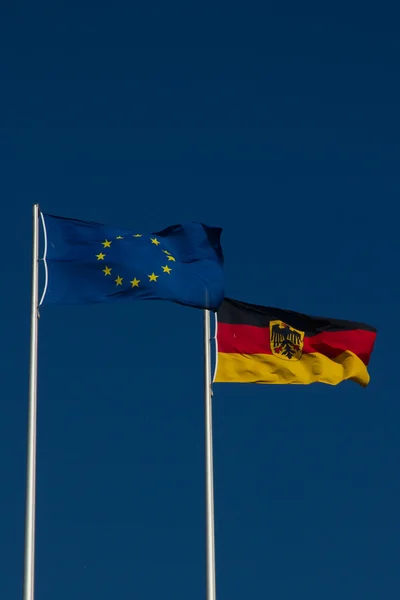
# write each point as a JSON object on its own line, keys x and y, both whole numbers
{"x": 29, "y": 554}
{"x": 209, "y": 472}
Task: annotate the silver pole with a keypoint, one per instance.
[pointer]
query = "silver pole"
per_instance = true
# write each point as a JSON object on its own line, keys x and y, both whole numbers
{"x": 29, "y": 558}
{"x": 210, "y": 542}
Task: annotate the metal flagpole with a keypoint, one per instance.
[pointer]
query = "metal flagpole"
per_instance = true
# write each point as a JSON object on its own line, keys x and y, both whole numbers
{"x": 209, "y": 478}
{"x": 29, "y": 558}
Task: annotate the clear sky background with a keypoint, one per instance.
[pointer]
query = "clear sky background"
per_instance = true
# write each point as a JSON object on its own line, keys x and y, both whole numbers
{"x": 279, "y": 123}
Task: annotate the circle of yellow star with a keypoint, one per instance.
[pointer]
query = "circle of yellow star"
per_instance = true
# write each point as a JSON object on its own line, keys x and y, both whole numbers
{"x": 155, "y": 241}
{"x": 100, "y": 256}
{"x": 107, "y": 271}
{"x": 118, "y": 281}
{"x": 106, "y": 244}
{"x": 153, "y": 277}
{"x": 170, "y": 257}
{"x": 166, "y": 252}
{"x": 135, "y": 282}
{"x": 166, "y": 269}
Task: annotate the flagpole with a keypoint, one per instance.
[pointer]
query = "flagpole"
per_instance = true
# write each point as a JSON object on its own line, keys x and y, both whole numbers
{"x": 29, "y": 553}
{"x": 209, "y": 477}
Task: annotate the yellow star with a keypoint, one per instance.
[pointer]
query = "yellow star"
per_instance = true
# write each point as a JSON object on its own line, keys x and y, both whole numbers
{"x": 107, "y": 271}
{"x": 106, "y": 244}
{"x": 155, "y": 241}
{"x": 100, "y": 256}
{"x": 166, "y": 252}
{"x": 137, "y": 235}
{"x": 118, "y": 281}
{"x": 166, "y": 269}
{"x": 170, "y": 257}
{"x": 119, "y": 237}
{"x": 153, "y": 277}
{"x": 135, "y": 282}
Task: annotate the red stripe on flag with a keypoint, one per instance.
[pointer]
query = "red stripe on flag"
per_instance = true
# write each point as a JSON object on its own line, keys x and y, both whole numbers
{"x": 248, "y": 339}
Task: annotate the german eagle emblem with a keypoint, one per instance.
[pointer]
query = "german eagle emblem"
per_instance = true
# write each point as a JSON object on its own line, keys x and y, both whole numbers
{"x": 286, "y": 342}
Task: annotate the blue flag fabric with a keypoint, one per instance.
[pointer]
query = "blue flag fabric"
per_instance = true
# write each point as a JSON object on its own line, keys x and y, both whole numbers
{"x": 89, "y": 262}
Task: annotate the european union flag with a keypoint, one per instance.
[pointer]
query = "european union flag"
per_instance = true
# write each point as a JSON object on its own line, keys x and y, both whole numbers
{"x": 88, "y": 262}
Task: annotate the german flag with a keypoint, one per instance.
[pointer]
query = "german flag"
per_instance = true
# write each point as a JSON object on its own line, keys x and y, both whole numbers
{"x": 259, "y": 344}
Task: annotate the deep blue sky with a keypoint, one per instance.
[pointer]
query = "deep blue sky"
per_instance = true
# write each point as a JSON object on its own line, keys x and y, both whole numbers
{"x": 282, "y": 126}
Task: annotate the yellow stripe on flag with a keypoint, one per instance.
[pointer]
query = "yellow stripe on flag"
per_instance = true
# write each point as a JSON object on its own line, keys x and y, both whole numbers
{"x": 311, "y": 368}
